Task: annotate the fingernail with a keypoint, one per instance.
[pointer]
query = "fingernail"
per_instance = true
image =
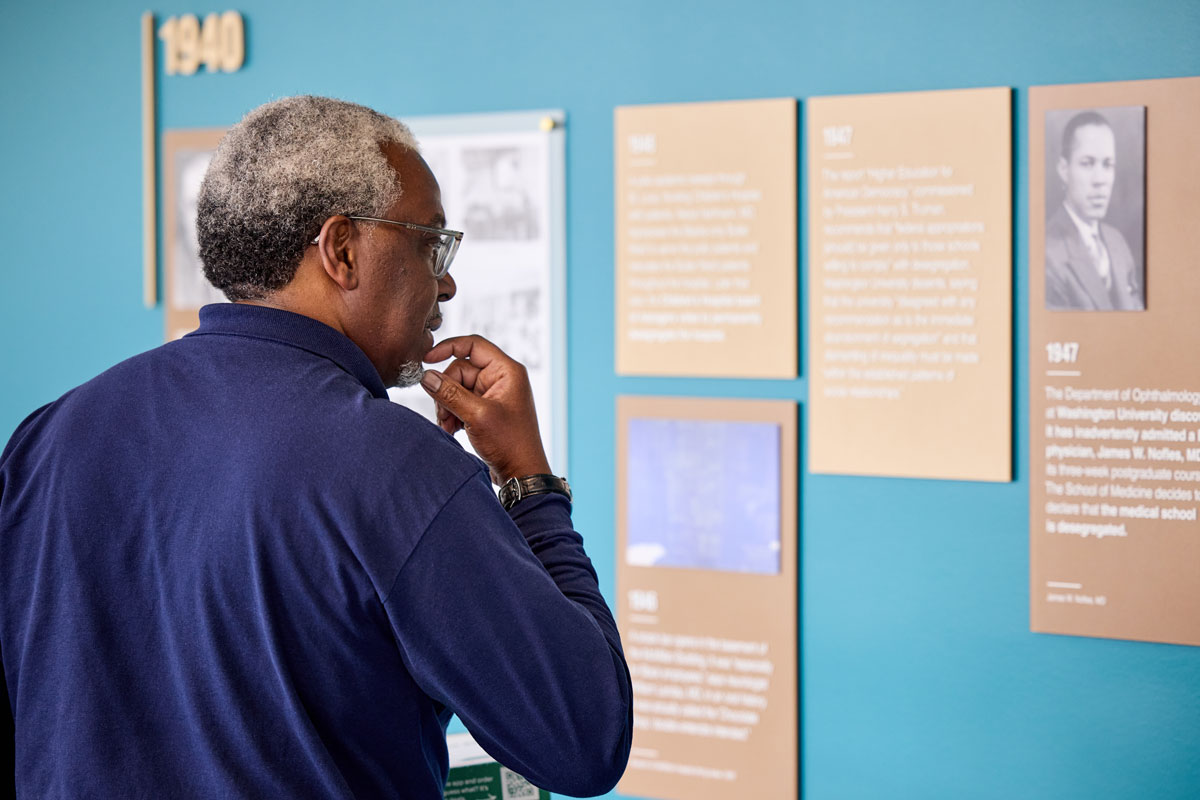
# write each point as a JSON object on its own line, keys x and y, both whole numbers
{"x": 431, "y": 380}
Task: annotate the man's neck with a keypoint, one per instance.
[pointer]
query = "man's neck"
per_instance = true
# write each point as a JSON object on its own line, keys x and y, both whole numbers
{"x": 1091, "y": 226}
{"x": 285, "y": 303}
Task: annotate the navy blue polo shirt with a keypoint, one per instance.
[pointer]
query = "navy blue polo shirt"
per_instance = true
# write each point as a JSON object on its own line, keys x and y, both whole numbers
{"x": 230, "y": 567}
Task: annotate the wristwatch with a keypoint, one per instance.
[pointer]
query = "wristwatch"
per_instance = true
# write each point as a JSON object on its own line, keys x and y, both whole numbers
{"x": 515, "y": 489}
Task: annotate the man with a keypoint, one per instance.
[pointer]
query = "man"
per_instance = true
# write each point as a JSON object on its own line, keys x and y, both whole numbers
{"x": 1089, "y": 267}
{"x": 229, "y": 567}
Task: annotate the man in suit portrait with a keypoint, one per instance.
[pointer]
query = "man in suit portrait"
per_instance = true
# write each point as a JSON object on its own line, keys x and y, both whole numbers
{"x": 1089, "y": 265}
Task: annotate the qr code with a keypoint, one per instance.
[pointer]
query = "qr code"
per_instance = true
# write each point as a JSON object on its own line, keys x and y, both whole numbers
{"x": 514, "y": 787}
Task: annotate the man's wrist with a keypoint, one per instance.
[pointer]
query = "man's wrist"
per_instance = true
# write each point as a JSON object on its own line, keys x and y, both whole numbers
{"x": 526, "y": 467}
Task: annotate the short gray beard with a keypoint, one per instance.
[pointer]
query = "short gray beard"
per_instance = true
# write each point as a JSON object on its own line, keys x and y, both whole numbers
{"x": 410, "y": 374}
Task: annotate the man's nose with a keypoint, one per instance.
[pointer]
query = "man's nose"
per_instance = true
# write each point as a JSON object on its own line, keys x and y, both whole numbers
{"x": 447, "y": 288}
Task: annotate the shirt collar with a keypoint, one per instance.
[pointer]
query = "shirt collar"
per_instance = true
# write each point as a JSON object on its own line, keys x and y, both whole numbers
{"x": 295, "y": 330}
{"x": 1085, "y": 228}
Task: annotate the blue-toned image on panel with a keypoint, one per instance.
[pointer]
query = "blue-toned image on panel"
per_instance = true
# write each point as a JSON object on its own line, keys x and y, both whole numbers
{"x": 703, "y": 494}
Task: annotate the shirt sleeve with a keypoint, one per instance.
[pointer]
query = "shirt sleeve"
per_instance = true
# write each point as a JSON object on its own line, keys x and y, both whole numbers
{"x": 20, "y": 432}
{"x": 8, "y": 762}
{"x": 501, "y": 619}
{"x": 7, "y": 727}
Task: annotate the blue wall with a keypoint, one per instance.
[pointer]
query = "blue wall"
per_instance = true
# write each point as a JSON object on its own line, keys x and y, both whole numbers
{"x": 920, "y": 678}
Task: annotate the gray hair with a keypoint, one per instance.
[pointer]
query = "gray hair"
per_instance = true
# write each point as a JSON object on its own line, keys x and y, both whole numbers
{"x": 278, "y": 175}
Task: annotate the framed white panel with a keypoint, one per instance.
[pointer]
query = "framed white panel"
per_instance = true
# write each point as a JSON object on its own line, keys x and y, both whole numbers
{"x": 503, "y": 184}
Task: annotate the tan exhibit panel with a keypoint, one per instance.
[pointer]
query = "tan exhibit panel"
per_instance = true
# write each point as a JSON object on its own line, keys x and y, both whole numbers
{"x": 910, "y": 284}
{"x": 706, "y": 239}
{"x": 706, "y": 595}
{"x": 1114, "y": 377}
{"x": 186, "y": 154}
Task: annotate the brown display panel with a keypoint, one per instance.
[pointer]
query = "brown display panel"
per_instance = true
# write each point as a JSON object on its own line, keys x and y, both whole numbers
{"x": 706, "y": 239}
{"x": 712, "y": 650}
{"x": 1115, "y": 394}
{"x": 186, "y": 154}
{"x": 910, "y": 284}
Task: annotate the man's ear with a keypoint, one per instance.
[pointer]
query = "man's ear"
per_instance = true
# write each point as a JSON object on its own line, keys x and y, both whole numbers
{"x": 1062, "y": 171}
{"x": 338, "y": 254}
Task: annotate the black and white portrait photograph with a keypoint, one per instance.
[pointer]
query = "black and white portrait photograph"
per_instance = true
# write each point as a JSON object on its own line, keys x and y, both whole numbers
{"x": 1095, "y": 209}
{"x": 189, "y": 288}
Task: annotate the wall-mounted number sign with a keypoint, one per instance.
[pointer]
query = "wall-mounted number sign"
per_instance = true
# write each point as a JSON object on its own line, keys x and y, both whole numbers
{"x": 219, "y": 43}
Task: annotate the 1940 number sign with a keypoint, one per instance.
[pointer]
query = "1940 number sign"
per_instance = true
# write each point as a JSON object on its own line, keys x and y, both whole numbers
{"x": 219, "y": 43}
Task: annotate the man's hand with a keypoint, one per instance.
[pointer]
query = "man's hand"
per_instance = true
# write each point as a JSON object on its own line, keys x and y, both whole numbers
{"x": 486, "y": 393}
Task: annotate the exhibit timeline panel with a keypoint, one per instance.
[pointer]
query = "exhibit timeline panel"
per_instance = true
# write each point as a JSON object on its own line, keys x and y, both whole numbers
{"x": 706, "y": 595}
{"x": 1114, "y": 293}
{"x": 706, "y": 239}
{"x": 910, "y": 284}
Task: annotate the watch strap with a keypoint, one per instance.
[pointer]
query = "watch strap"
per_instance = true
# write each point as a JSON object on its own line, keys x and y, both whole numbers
{"x": 516, "y": 489}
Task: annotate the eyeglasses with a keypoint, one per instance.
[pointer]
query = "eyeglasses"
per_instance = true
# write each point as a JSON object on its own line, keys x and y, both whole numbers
{"x": 444, "y": 250}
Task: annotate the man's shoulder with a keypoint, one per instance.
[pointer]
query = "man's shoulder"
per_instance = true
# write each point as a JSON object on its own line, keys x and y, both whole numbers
{"x": 398, "y": 459}
{"x": 1115, "y": 241}
{"x": 1059, "y": 228}
{"x": 113, "y": 380}
{"x": 22, "y": 430}
{"x": 399, "y": 429}
{"x": 1108, "y": 230}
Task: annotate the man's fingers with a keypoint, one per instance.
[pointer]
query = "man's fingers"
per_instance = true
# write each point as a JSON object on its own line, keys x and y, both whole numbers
{"x": 447, "y": 421}
{"x": 451, "y": 395}
{"x": 479, "y": 350}
{"x": 464, "y": 372}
